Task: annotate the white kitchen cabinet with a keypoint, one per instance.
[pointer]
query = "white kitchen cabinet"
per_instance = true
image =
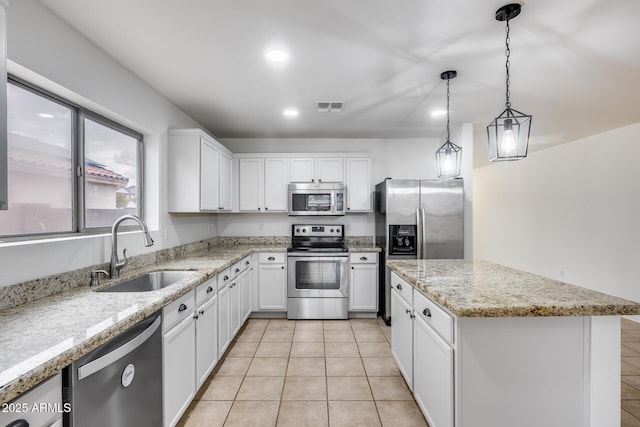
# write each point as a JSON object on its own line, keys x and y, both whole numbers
{"x": 363, "y": 282}
{"x": 358, "y": 184}
{"x": 224, "y": 319}
{"x": 433, "y": 374}
{"x": 402, "y": 335}
{"x": 199, "y": 172}
{"x": 262, "y": 185}
{"x": 272, "y": 281}
{"x": 321, "y": 169}
{"x": 245, "y": 293}
{"x": 235, "y": 303}
{"x": 206, "y": 339}
{"x": 178, "y": 357}
{"x": 4, "y": 177}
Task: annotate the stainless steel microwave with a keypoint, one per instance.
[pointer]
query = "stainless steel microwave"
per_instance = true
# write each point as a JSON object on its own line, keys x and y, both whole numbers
{"x": 324, "y": 198}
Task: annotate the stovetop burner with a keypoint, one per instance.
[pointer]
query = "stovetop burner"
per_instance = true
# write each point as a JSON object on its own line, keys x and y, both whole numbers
{"x": 317, "y": 238}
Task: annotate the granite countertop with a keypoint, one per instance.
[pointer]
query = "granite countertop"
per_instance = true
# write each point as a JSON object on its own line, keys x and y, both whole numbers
{"x": 475, "y": 288}
{"x": 366, "y": 247}
{"x": 40, "y": 338}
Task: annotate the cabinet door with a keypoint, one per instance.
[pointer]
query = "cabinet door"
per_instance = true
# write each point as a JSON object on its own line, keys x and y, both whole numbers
{"x": 402, "y": 336}
{"x": 433, "y": 380}
{"x": 275, "y": 185}
{"x": 225, "y": 181}
{"x": 235, "y": 304}
{"x": 302, "y": 170}
{"x": 209, "y": 176}
{"x": 329, "y": 170}
{"x": 250, "y": 184}
{"x": 363, "y": 287}
{"x": 224, "y": 320}
{"x": 245, "y": 294}
{"x": 206, "y": 339}
{"x": 178, "y": 369}
{"x": 272, "y": 287}
{"x": 359, "y": 189}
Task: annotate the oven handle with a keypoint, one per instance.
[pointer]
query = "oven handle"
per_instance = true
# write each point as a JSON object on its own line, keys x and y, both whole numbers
{"x": 318, "y": 255}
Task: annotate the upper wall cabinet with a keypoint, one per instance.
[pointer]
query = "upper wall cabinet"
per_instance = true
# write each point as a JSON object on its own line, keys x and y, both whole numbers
{"x": 358, "y": 182}
{"x": 200, "y": 172}
{"x": 317, "y": 170}
{"x": 262, "y": 184}
{"x": 4, "y": 202}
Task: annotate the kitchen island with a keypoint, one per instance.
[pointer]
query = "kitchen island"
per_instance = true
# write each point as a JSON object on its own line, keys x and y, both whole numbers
{"x": 494, "y": 346}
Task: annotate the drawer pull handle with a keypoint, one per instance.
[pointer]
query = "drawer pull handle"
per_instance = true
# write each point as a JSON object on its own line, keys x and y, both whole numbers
{"x": 271, "y": 258}
{"x": 237, "y": 270}
{"x": 209, "y": 289}
{"x": 195, "y": 316}
{"x": 282, "y": 267}
{"x": 246, "y": 263}
{"x": 399, "y": 286}
{"x": 363, "y": 258}
{"x": 226, "y": 277}
{"x": 412, "y": 316}
{"x": 201, "y": 312}
{"x": 182, "y": 307}
{"x": 407, "y": 310}
{"x": 426, "y": 312}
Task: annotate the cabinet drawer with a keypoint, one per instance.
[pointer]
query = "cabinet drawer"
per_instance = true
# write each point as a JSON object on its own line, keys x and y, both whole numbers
{"x": 206, "y": 290}
{"x": 404, "y": 289}
{"x": 363, "y": 258}
{"x": 430, "y": 312}
{"x": 271, "y": 258}
{"x": 224, "y": 278}
{"x": 246, "y": 262}
{"x": 178, "y": 310}
{"x": 236, "y": 269}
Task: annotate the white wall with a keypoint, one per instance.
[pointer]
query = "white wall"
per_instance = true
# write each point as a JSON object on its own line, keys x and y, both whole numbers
{"x": 571, "y": 210}
{"x": 44, "y": 50}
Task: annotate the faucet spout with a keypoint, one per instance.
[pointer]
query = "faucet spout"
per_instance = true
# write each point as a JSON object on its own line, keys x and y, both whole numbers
{"x": 116, "y": 264}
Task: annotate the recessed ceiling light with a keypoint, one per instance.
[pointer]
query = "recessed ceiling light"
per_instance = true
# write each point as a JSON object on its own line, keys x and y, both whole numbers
{"x": 438, "y": 113}
{"x": 46, "y": 115}
{"x": 276, "y": 56}
{"x": 290, "y": 112}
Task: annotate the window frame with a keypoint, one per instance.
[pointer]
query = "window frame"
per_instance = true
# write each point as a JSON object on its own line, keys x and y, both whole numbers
{"x": 78, "y": 116}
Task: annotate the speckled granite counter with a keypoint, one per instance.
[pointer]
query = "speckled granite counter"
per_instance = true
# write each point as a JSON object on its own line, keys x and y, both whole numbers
{"x": 475, "y": 288}
{"x": 41, "y": 337}
{"x": 363, "y": 247}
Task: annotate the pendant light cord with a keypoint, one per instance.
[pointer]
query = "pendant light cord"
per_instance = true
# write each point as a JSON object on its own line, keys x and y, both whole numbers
{"x": 448, "y": 96}
{"x": 508, "y": 54}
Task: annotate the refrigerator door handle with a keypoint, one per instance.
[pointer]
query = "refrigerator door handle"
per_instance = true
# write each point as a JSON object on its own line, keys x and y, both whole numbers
{"x": 420, "y": 232}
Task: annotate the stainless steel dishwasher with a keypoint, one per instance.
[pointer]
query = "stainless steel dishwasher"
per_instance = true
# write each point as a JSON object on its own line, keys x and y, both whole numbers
{"x": 120, "y": 382}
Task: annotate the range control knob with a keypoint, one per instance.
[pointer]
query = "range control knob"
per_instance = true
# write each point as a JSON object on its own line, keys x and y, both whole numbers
{"x": 331, "y": 231}
{"x": 304, "y": 230}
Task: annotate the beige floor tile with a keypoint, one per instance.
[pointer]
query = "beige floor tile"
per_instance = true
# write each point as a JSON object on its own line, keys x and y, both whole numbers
{"x": 308, "y": 336}
{"x": 261, "y": 388}
{"x": 251, "y": 336}
{"x": 629, "y": 392}
{"x": 307, "y": 349}
{"x": 341, "y": 349}
{"x": 348, "y": 388}
{"x": 277, "y": 336}
{"x": 400, "y": 414}
{"x": 243, "y": 349}
{"x": 628, "y": 368}
{"x": 221, "y": 388}
{"x": 629, "y": 352}
{"x": 255, "y": 327}
{"x": 628, "y": 323}
{"x": 306, "y": 367}
{"x": 389, "y": 388}
{"x": 305, "y": 388}
{"x": 234, "y": 366}
{"x": 273, "y": 349}
{"x": 628, "y": 420}
{"x": 281, "y": 325}
{"x": 374, "y": 349}
{"x": 336, "y": 325}
{"x": 380, "y": 366}
{"x": 364, "y": 324}
{"x": 633, "y": 345}
{"x": 257, "y": 323}
{"x": 303, "y": 414}
{"x": 632, "y": 407}
{"x": 353, "y": 414}
{"x": 206, "y": 414}
{"x": 631, "y": 335}
{"x": 634, "y": 361}
{"x": 252, "y": 414}
{"x": 374, "y": 336}
{"x": 338, "y": 336}
{"x": 344, "y": 367}
{"x": 309, "y": 325}
{"x": 268, "y": 367}
{"x": 632, "y": 380}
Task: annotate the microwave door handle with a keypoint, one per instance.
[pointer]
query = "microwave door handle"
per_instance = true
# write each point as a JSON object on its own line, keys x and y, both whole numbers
{"x": 419, "y": 233}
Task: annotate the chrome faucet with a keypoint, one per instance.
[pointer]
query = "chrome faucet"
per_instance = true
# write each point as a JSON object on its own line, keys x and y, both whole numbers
{"x": 116, "y": 264}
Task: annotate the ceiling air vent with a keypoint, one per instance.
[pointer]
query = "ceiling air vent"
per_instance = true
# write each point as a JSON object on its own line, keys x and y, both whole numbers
{"x": 329, "y": 107}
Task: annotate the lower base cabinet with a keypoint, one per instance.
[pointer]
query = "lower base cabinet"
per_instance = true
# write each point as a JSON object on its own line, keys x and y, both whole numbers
{"x": 224, "y": 319}
{"x": 206, "y": 339}
{"x": 402, "y": 336}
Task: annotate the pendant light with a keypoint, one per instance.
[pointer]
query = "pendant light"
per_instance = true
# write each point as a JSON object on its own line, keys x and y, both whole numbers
{"x": 509, "y": 132}
{"x": 449, "y": 155}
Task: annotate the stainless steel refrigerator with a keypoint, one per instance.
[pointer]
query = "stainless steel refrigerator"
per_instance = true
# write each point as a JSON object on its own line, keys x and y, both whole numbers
{"x": 417, "y": 219}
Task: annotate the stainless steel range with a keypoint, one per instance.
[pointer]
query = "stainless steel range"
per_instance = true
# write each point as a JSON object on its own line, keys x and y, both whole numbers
{"x": 317, "y": 276}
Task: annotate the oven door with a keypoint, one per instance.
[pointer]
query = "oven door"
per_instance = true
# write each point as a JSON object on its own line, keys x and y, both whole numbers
{"x": 317, "y": 276}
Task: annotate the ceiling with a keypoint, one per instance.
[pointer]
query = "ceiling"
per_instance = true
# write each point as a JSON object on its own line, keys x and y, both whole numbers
{"x": 575, "y": 64}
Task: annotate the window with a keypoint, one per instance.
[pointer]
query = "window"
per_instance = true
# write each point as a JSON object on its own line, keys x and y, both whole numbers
{"x": 70, "y": 170}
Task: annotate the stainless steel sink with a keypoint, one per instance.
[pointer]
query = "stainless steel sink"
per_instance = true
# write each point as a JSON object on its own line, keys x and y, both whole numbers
{"x": 149, "y": 281}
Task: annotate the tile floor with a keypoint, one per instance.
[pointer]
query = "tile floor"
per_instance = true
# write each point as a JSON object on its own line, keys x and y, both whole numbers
{"x": 307, "y": 373}
{"x": 630, "y": 373}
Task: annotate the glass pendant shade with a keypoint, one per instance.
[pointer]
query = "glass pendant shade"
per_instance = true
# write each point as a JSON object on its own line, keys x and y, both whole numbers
{"x": 508, "y": 136}
{"x": 448, "y": 160}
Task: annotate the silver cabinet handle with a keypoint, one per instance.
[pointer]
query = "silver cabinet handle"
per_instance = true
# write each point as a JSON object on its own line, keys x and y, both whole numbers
{"x": 407, "y": 310}
{"x": 182, "y": 307}
{"x": 412, "y": 315}
{"x": 195, "y": 316}
{"x": 246, "y": 263}
{"x": 237, "y": 270}
{"x": 352, "y": 268}
{"x": 209, "y": 289}
{"x": 266, "y": 208}
{"x": 399, "y": 286}
{"x": 426, "y": 312}
{"x": 201, "y": 312}
{"x": 282, "y": 267}
{"x": 363, "y": 258}
{"x": 225, "y": 277}
{"x": 271, "y": 258}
